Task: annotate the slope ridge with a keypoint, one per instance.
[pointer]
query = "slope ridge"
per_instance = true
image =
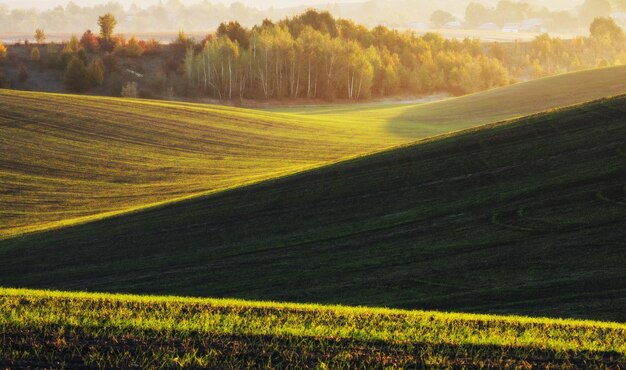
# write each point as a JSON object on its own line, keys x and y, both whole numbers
{"x": 73, "y": 159}
{"x": 525, "y": 217}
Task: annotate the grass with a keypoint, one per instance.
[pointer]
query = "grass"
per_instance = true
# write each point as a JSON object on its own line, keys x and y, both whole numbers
{"x": 525, "y": 217}
{"x": 58, "y": 329}
{"x": 68, "y": 160}
{"x": 490, "y": 106}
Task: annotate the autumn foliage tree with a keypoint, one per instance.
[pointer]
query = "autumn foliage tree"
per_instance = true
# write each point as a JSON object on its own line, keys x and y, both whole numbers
{"x": 90, "y": 42}
{"x": 107, "y": 25}
{"x": 133, "y": 48}
{"x": 314, "y": 56}
{"x": 40, "y": 35}
{"x": 3, "y": 52}
{"x": 235, "y": 32}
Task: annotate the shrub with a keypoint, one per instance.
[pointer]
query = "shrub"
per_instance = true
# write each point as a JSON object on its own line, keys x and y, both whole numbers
{"x": 130, "y": 90}
{"x": 76, "y": 77}
{"x": 35, "y": 55}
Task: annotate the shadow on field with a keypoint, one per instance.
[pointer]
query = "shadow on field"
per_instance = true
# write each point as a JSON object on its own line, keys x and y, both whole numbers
{"x": 526, "y": 218}
{"x": 75, "y": 348}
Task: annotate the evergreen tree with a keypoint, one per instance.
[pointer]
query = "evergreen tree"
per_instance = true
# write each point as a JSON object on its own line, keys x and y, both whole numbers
{"x": 76, "y": 77}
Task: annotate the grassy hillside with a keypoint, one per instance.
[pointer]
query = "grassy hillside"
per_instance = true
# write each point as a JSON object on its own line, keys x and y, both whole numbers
{"x": 524, "y": 218}
{"x": 490, "y": 106}
{"x": 69, "y": 159}
{"x": 43, "y": 329}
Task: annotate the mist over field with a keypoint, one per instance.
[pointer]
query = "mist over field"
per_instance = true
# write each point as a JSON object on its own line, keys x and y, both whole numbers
{"x": 144, "y": 3}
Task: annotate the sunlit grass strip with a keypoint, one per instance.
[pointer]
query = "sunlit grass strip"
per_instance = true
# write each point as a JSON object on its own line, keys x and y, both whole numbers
{"x": 165, "y": 319}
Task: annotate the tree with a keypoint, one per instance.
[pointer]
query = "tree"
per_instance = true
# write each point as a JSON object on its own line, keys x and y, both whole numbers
{"x": 440, "y": 17}
{"x": 90, "y": 42}
{"x": 110, "y": 62}
{"x": 607, "y": 32}
{"x": 358, "y": 71}
{"x": 73, "y": 45}
{"x": 3, "y": 52}
{"x": 130, "y": 90}
{"x": 23, "y": 74}
{"x": 183, "y": 42}
{"x": 35, "y": 55}
{"x": 229, "y": 52}
{"x": 310, "y": 45}
{"x": 53, "y": 59}
{"x": 40, "y": 35}
{"x": 3, "y": 81}
{"x": 95, "y": 72}
{"x": 133, "y": 48}
{"x": 235, "y": 32}
{"x": 476, "y": 14}
{"x": 323, "y": 22}
{"x": 76, "y": 77}
{"x": 107, "y": 25}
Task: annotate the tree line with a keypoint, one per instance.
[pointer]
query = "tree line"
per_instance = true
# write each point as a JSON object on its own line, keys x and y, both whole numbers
{"x": 316, "y": 56}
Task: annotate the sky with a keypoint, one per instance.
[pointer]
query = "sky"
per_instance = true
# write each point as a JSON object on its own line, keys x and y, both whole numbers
{"x": 43, "y": 4}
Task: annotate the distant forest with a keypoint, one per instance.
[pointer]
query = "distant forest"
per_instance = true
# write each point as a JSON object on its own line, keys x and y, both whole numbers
{"x": 316, "y": 56}
{"x": 311, "y": 56}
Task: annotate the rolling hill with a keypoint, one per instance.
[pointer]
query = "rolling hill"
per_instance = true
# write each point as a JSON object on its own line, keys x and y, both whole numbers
{"x": 73, "y": 159}
{"x": 514, "y": 101}
{"x": 76, "y": 330}
{"x": 524, "y": 217}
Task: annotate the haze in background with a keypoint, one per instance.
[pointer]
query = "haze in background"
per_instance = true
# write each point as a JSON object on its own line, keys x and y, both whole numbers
{"x": 43, "y": 4}
{"x": 488, "y": 19}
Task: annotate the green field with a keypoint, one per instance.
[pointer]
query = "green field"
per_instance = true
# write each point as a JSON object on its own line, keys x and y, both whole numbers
{"x": 469, "y": 210}
{"x": 43, "y": 329}
{"x": 515, "y": 101}
{"x": 519, "y": 218}
{"x": 71, "y": 159}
